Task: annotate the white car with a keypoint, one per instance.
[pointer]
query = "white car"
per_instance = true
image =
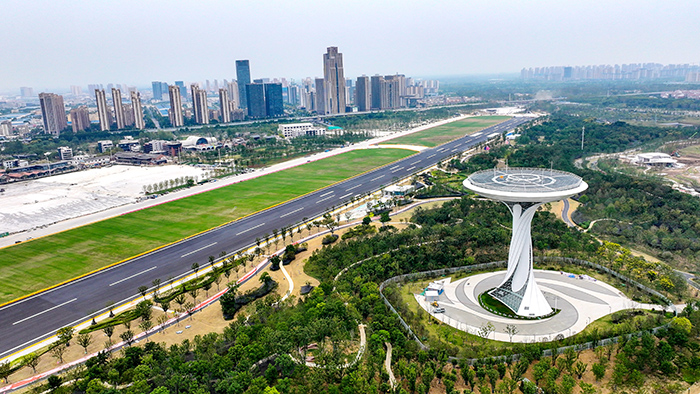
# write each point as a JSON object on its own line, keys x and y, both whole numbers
{"x": 439, "y": 310}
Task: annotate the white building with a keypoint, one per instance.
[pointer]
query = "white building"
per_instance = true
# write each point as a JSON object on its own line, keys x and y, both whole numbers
{"x": 65, "y": 153}
{"x": 104, "y": 146}
{"x": 293, "y": 130}
{"x": 6, "y": 128}
{"x": 398, "y": 190}
{"x": 655, "y": 159}
{"x": 89, "y": 161}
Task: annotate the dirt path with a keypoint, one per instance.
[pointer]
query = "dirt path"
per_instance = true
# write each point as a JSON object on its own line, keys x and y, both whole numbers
{"x": 387, "y": 365}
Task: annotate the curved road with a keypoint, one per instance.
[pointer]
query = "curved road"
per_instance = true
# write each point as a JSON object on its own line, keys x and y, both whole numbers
{"x": 35, "y": 318}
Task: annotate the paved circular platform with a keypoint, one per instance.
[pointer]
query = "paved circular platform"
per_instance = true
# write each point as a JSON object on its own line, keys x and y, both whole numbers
{"x": 581, "y": 299}
{"x": 521, "y": 184}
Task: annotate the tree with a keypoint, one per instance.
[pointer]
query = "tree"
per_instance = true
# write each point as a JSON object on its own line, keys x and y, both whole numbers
{"x": 511, "y": 329}
{"x": 329, "y": 223}
{"x": 143, "y": 289}
{"x": 598, "y": 370}
{"x": 65, "y": 334}
{"x": 84, "y": 340}
{"x": 193, "y": 293}
{"x": 206, "y": 286}
{"x": 31, "y": 360}
{"x": 384, "y": 218}
{"x": 274, "y": 263}
{"x": 109, "y": 331}
{"x": 54, "y": 382}
{"x": 217, "y": 280}
{"x": 195, "y": 268}
{"x": 145, "y": 326}
{"x": 485, "y": 330}
{"x": 127, "y": 336}
{"x": 57, "y": 352}
{"x": 587, "y": 388}
{"x": 265, "y": 278}
{"x": 580, "y": 369}
{"x": 5, "y": 371}
{"x": 162, "y": 319}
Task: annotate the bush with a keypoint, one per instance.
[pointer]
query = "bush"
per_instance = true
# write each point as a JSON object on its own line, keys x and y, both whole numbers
{"x": 329, "y": 239}
{"x": 274, "y": 263}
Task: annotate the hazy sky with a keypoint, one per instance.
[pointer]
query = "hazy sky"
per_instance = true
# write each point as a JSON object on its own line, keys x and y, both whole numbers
{"x": 57, "y": 43}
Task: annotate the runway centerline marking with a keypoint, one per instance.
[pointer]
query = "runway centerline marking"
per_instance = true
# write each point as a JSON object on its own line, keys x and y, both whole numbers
{"x": 354, "y": 187}
{"x": 252, "y": 228}
{"x": 195, "y": 251}
{"x": 342, "y": 197}
{"x": 289, "y": 213}
{"x": 324, "y": 199}
{"x": 133, "y": 276}
{"x": 374, "y": 179}
{"x": 44, "y": 311}
{"x": 325, "y": 194}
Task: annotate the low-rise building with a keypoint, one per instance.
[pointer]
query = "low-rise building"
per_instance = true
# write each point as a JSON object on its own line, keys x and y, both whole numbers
{"x": 65, "y": 153}
{"x": 293, "y": 130}
{"x": 654, "y": 159}
{"x": 129, "y": 144}
{"x": 139, "y": 159}
{"x": 105, "y": 146}
{"x": 398, "y": 190}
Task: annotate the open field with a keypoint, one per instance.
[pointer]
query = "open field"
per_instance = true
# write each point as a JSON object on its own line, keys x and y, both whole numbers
{"x": 49, "y": 260}
{"x": 439, "y": 135}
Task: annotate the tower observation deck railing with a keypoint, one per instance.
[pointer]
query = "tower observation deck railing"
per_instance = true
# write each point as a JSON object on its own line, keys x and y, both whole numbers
{"x": 525, "y": 180}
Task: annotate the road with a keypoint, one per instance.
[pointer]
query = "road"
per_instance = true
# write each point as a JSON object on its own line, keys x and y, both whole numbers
{"x": 37, "y": 317}
{"x": 565, "y": 213}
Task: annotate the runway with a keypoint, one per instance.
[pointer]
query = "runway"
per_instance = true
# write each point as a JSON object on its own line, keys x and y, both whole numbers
{"x": 35, "y": 318}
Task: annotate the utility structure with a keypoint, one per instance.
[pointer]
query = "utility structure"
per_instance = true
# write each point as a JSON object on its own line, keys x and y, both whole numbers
{"x": 523, "y": 190}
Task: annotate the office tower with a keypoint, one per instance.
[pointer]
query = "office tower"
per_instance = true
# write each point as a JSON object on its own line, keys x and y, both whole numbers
{"x": 76, "y": 90}
{"x": 183, "y": 90}
{"x": 362, "y": 93}
{"x": 320, "y": 96}
{"x": 199, "y": 105}
{"x": 80, "y": 119}
{"x": 349, "y": 92}
{"x": 157, "y": 90}
{"x": 102, "y": 109}
{"x": 118, "y": 108}
{"x": 26, "y": 92}
{"x": 53, "y": 113}
{"x": 233, "y": 94}
{"x": 334, "y": 79}
{"x": 256, "y": 100}
{"x": 243, "y": 77}
{"x": 175, "y": 113}
{"x": 138, "y": 110}
{"x": 293, "y": 93}
{"x": 376, "y": 91}
{"x": 225, "y": 105}
{"x": 391, "y": 92}
{"x": 274, "y": 104}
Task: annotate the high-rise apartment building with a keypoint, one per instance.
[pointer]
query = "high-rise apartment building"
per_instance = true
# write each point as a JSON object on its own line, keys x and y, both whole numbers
{"x": 199, "y": 105}
{"x": 139, "y": 124}
{"x": 363, "y": 93}
{"x": 175, "y": 112}
{"x": 320, "y": 96}
{"x": 334, "y": 81}
{"x": 243, "y": 77}
{"x": 183, "y": 90}
{"x": 256, "y": 100}
{"x": 76, "y": 90}
{"x": 225, "y": 105}
{"x": 157, "y": 90}
{"x": 102, "y": 109}
{"x": 6, "y": 128}
{"x": 80, "y": 119}
{"x": 26, "y": 92}
{"x": 376, "y": 91}
{"x": 118, "y": 108}
{"x": 53, "y": 112}
{"x": 233, "y": 94}
{"x": 274, "y": 103}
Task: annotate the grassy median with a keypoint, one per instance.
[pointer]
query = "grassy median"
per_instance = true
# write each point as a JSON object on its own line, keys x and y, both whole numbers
{"x": 445, "y": 133}
{"x": 46, "y": 261}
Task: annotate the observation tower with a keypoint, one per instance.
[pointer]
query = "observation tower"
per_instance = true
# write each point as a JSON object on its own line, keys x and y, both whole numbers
{"x": 523, "y": 190}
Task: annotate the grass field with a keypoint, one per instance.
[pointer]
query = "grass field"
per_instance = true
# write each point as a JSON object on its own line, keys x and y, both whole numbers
{"x": 35, "y": 265}
{"x": 448, "y": 132}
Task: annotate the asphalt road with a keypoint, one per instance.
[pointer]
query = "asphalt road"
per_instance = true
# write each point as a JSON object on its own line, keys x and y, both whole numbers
{"x": 35, "y": 318}
{"x": 565, "y": 213}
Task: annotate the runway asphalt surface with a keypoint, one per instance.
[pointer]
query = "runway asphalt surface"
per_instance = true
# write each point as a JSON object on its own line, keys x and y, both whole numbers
{"x": 33, "y": 319}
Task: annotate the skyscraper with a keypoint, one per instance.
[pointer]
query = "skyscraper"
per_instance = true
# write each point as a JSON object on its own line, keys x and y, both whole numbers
{"x": 102, "y": 109}
{"x": 334, "y": 81}
{"x": 376, "y": 95}
{"x": 362, "y": 93}
{"x": 183, "y": 90}
{"x": 175, "y": 112}
{"x": 199, "y": 105}
{"x": 53, "y": 112}
{"x": 26, "y": 92}
{"x": 225, "y": 105}
{"x": 256, "y": 100}
{"x": 233, "y": 94}
{"x": 118, "y": 108}
{"x": 138, "y": 111}
{"x": 80, "y": 119}
{"x": 243, "y": 77}
{"x": 320, "y": 96}
{"x": 274, "y": 104}
{"x": 157, "y": 90}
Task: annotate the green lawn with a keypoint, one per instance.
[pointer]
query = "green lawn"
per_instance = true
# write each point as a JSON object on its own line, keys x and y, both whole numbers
{"x": 441, "y": 134}
{"x": 46, "y": 261}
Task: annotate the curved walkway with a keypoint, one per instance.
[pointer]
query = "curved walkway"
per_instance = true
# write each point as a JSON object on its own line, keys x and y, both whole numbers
{"x": 387, "y": 365}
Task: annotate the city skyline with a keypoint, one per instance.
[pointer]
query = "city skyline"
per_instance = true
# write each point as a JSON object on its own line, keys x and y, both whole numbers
{"x": 452, "y": 38}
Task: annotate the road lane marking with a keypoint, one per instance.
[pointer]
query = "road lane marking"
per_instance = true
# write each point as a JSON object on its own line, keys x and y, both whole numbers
{"x": 476, "y": 134}
{"x": 44, "y": 311}
{"x": 441, "y": 149}
{"x": 493, "y": 135}
{"x": 374, "y": 179}
{"x": 342, "y": 197}
{"x": 325, "y": 194}
{"x": 289, "y": 213}
{"x": 398, "y": 169}
{"x": 409, "y": 169}
{"x": 454, "y": 150}
{"x": 393, "y": 167}
{"x": 354, "y": 187}
{"x": 252, "y": 228}
{"x": 417, "y": 161}
{"x": 195, "y": 251}
{"x": 324, "y": 199}
{"x": 433, "y": 155}
{"x": 134, "y": 275}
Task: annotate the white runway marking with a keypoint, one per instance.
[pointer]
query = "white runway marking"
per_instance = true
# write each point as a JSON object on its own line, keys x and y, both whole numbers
{"x": 289, "y": 213}
{"x": 202, "y": 248}
{"x": 252, "y": 228}
{"x": 44, "y": 311}
{"x": 133, "y": 276}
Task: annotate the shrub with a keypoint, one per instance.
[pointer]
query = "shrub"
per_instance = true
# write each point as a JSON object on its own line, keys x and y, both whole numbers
{"x": 329, "y": 239}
